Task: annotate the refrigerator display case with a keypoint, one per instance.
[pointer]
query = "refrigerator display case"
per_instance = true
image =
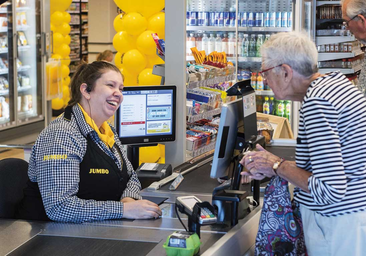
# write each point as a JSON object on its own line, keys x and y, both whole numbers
{"x": 24, "y": 48}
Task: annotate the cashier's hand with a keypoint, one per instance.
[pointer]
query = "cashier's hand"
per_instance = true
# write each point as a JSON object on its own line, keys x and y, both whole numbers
{"x": 141, "y": 209}
{"x": 259, "y": 163}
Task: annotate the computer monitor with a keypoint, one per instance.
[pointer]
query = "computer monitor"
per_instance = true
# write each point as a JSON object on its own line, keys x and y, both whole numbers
{"x": 237, "y": 118}
{"x": 147, "y": 115}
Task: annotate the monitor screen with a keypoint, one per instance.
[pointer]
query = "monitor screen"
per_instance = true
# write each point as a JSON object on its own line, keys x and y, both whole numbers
{"x": 236, "y": 116}
{"x": 147, "y": 114}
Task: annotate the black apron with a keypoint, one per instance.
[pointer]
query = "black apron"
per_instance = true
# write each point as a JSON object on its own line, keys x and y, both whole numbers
{"x": 100, "y": 179}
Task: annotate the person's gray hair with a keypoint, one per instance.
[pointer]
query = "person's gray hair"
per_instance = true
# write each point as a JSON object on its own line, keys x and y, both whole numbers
{"x": 355, "y": 7}
{"x": 292, "y": 48}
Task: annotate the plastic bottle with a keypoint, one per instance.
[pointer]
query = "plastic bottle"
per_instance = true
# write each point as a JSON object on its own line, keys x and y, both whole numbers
{"x": 199, "y": 42}
{"x": 224, "y": 43}
{"x": 231, "y": 46}
{"x": 288, "y": 109}
{"x": 218, "y": 43}
{"x": 271, "y": 106}
{"x": 252, "y": 46}
{"x": 245, "y": 46}
{"x": 260, "y": 83}
{"x": 253, "y": 80}
{"x": 280, "y": 108}
{"x": 211, "y": 44}
{"x": 205, "y": 43}
{"x": 259, "y": 103}
{"x": 259, "y": 44}
{"x": 267, "y": 37}
{"x": 191, "y": 42}
{"x": 240, "y": 43}
{"x": 266, "y": 105}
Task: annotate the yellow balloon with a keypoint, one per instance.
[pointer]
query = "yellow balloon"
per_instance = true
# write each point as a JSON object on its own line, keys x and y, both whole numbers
{"x": 134, "y": 23}
{"x": 157, "y": 23}
{"x": 134, "y": 61}
{"x": 129, "y": 79}
{"x": 53, "y": 27}
{"x": 58, "y": 40}
{"x": 67, "y": 81}
{"x": 57, "y": 103}
{"x": 65, "y": 61}
{"x": 65, "y": 71}
{"x": 117, "y": 23}
{"x": 67, "y": 17}
{"x": 129, "y": 5}
{"x": 57, "y": 18}
{"x": 118, "y": 60}
{"x": 65, "y": 92}
{"x": 153, "y": 60}
{"x": 67, "y": 39}
{"x": 150, "y": 7}
{"x": 146, "y": 77}
{"x": 64, "y": 29}
{"x": 59, "y": 5}
{"x": 63, "y": 50}
{"x": 145, "y": 43}
{"x": 123, "y": 42}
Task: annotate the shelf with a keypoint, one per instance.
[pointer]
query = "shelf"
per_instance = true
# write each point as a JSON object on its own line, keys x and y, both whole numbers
{"x": 320, "y": 40}
{"x": 338, "y": 55}
{"x": 24, "y": 48}
{"x": 264, "y": 93}
{"x": 320, "y": 3}
{"x": 3, "y": 30}
{"x": 85, "y": 52}
{"x": 215, "y": 80}
{"x": 74, "y": 24}
{"x": 249, "y": 59}
{"x": 4, "y": 71}
{"x": 84, "y": 10}
{"x": 4, "y": 122}
{"x": 25, "y": 88}
{"x": 233, "y": 29}
{"x": 22, "y": 9}
{"x": 23, "y": 27}
{"x": 73, "y": 12}
{"x": 75, "y": 59}
{"x": 4, "y": 92}
{"x": 74, "y": 32}
{"x": 3, "y": 10}
{"x": 24, "y": 68}
{"x": 74, "y": 47}
{"x": 84, "y": 35}
{"x": 345, "y": 71}
{"x": 3, "y": 50}
{"x": 205, "y": 115}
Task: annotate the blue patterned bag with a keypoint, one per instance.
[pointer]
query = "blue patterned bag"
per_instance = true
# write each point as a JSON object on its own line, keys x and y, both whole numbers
{"x": 280, "y": 230}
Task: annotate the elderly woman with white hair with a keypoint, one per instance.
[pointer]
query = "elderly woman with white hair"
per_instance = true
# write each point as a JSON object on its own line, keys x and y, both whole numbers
{"x": 330, "y": 168}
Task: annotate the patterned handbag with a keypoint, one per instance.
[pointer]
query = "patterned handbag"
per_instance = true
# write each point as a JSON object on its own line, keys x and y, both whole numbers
{"x": 280, "y": 230}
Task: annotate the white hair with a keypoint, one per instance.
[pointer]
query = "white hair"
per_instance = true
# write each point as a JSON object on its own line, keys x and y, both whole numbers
{"x": 292, "y": 48}
{"x": 355, "y": 7}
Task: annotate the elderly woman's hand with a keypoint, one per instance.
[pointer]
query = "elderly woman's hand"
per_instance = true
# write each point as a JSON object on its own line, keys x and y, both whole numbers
{"x": 259, "y": 163}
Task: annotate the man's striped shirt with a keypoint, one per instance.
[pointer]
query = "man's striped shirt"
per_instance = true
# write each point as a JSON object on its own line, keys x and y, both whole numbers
{"x": 332, "y": 145}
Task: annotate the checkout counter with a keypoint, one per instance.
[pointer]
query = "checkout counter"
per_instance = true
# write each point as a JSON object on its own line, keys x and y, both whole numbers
{"x": 138, "y": 237}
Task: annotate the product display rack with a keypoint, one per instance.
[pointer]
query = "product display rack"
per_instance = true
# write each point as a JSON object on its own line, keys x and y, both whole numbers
{"x": 79, "y": 33}
{"x": 329, "y": 14}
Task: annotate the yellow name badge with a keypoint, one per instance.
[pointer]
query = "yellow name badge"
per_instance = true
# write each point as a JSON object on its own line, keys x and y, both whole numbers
{"x": 99, "y": 171}
{"x": 54, "y": 157}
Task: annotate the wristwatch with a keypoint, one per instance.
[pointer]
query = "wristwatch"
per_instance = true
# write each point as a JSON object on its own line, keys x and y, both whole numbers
{"x": 277, "y": 164}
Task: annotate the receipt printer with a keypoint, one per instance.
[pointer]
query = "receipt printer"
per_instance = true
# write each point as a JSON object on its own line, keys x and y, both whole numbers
{"x": 151, "y": 172}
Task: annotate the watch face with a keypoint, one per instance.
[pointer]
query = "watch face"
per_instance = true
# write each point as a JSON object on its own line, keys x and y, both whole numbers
{"x": 275, "y": 166}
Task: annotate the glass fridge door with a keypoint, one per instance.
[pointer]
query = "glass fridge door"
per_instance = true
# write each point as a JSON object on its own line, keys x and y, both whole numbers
{"x": 28, "y": 62}
{"x": 7, "y": 115}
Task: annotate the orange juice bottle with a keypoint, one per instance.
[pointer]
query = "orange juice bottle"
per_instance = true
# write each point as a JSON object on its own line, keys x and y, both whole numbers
{"x": 260, "y": 86}
{"x": 254, "y": 80}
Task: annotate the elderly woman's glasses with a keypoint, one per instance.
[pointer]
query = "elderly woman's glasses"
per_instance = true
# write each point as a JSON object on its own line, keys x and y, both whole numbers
{"x": 348, "y": 21}
{"x": 263, "y": 72}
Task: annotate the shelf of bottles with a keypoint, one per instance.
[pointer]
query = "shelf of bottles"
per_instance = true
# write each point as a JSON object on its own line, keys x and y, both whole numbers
{"x": 239, "y": 31}
{"x": 79, "y": 33}
{"x": 338, "y": 49}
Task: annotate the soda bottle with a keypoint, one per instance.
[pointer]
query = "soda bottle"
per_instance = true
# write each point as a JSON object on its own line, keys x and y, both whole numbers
{"x": 205, "y": 44}
{"x": 266, "y": 106}
{"x": 224, "y": 43}
{"x": 280, "y": 108}
{"x": 218, "y": 43}
{"x": 259, "y": 44}
{"x": 259, "y": 83}
{"x": 245, "y": 46}
{"x": 271, "y": 106}
{"x": 231, "y": 46}
{"x": 211, "y": 44}
{"x": 253, "y": 80}
{"x": 252, "y": 46}
{"x": 259, "y": 101}
{"x": 287, "y": 109}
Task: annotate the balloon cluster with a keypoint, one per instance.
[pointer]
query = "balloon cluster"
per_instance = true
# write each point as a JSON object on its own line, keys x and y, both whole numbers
{"x": 136, "y": 48}
{"x": 60, "y": 20}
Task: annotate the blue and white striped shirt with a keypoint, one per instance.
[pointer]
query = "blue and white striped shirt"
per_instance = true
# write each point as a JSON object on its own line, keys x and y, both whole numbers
{"x": 332, "y": 145}
{"x": 54, "y": 164}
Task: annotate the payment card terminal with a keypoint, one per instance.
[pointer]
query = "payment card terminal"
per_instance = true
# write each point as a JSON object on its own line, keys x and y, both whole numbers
{"x": 186, "y": 205}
